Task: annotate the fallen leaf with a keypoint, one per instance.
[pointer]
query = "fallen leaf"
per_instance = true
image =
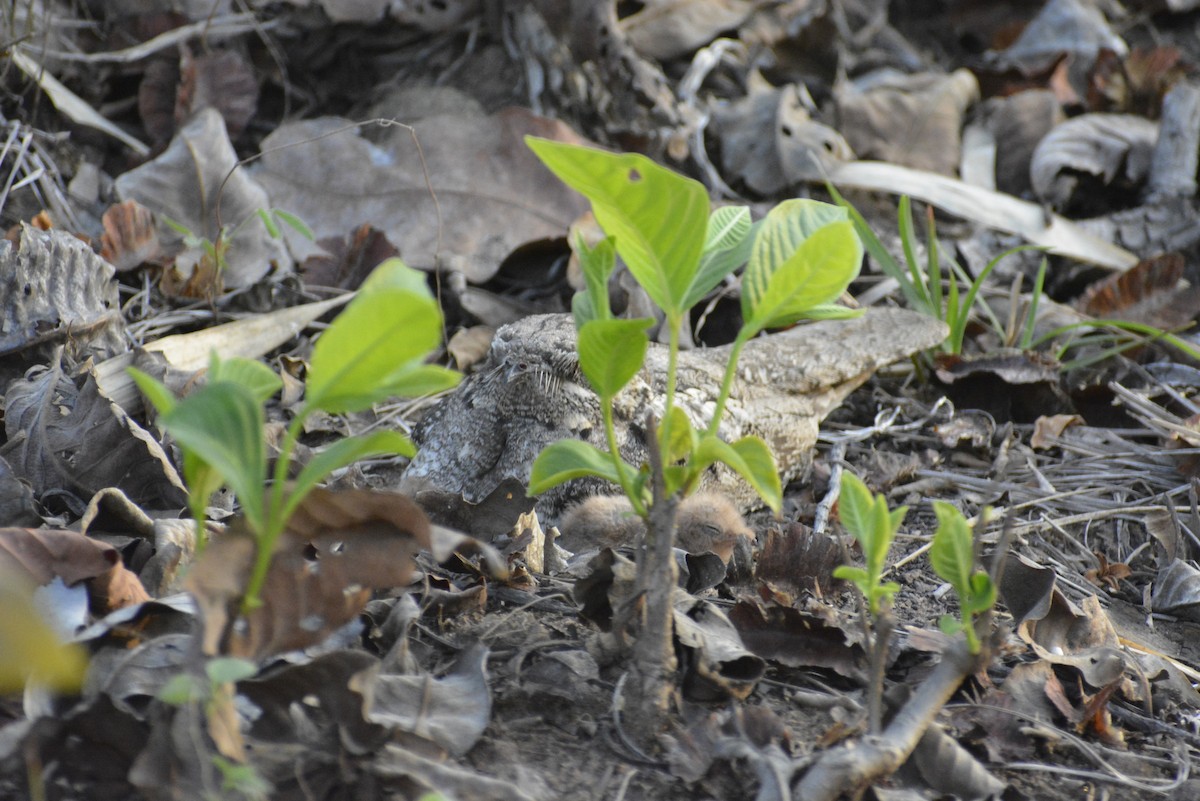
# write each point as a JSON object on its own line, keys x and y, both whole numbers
{"x": 1154, "y": 292}
{"x": 348, "y": 260}
{"x": 492, "y": 194}
{"x": 67, "y": 438}
{"x": 338, "y": 548}
{"x": 664, "y": 29}
{"x": 1093, "y": 150}
{"x": 1048, "y": 429}
{"x": 452, "y": 711}
{"x": 130, "y": 238}
{"x": 187, "y": 183}
{"x": 55, "y": 290}
{"x": 912, "y": 120}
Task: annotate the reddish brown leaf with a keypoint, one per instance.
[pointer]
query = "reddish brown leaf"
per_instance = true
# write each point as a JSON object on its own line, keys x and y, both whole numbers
{"x": 1150, "y": 293}
{"x": 115, "y": 588}
{"x": 171, "y": 92}
{"x": 46, "y": 554}
{"x": 1047, "y": 429}
{"x": 339, "y": 546}
{"x": 129, "y": 237}
{"x": 348, "y": 260}
{"x": 223, "y": 80}
{"x": 43, "y": 555}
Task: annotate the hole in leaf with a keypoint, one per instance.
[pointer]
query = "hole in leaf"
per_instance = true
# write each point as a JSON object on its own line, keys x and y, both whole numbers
{"x": 634, "y": 176}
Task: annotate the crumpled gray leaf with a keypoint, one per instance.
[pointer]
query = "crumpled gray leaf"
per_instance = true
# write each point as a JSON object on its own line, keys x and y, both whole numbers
{"x": 16, "y": 501}
{"x": 1103, "y": 145}
{"x": 54, "y": 289}
{"x": 1061, "y": 27}
{"x": 186, "y": 183}
{"x": 65, "y": 437}
{"x": 912, "y": 120}
{"x": 769, "y": 141}
{"x": 452, "y": 711}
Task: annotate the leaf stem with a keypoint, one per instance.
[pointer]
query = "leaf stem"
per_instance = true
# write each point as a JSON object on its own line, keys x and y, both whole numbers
{"x": 272, "y": 527}
{"x": 735, "y": 352}
{"x": 610, "y": 434}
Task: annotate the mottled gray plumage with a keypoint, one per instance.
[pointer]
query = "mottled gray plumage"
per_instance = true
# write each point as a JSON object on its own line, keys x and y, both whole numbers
{"x": 478, "y": 444}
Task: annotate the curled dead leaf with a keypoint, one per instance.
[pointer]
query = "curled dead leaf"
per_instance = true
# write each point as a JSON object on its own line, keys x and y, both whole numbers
{"x": 129, "y": 237}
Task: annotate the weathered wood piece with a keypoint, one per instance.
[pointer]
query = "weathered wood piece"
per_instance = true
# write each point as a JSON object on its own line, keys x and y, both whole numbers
{"x": 478, "y": 444}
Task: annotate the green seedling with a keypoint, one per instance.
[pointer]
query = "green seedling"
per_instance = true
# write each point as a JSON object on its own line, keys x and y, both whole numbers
{"x": 867, "y": 518}
{"x": 216, "y": 250}
{"x": 953, "y": 558}
{"x": 212, "y": 691}
{"x": 799, "y": 260}
{"x": 925, "y": 287}
{"x": 953, "y": 296}
{"x": 874, "y": 526}
{"x": 374, "y": 350}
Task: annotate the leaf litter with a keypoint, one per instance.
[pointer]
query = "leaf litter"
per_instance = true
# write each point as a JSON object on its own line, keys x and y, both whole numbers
{"x": 483, "y": 669}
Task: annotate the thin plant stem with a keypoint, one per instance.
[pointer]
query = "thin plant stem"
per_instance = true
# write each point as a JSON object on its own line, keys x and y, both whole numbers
{"x": 270, "y": 529}
{"x": 735, "y": 353}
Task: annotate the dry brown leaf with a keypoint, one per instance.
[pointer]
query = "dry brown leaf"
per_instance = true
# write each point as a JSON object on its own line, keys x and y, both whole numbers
{"x": 54, "y": 289}
{"x": 797, "y": 638}
{"x": 191, "y": 180}
{"x": 911, "y": 120}
{"x": 1048, "y": 429}
{"x": 223, "y": 80}
{"x": 1104, "y": 149}
{"x": 172, "y": 91}
{"x": 130, "y": 238}
{"x": 337, "y": 549}
{"x": 65, "y": 436}
{"x": 46, "y": 554}
{"x": 1153, "y": 292}
{"x": 348, "y": 260}
{"x": 1137, "y": 83}
{"x": 664, "y": 29}
{"x": 1061, "y": 27}
{"x": 493, "y": 193}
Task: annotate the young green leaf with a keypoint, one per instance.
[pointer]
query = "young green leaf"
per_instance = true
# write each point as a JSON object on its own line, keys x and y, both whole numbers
{"x": 868, "y": 518}
{"x": 657, "y": 217}
{"x": 380, "y": 337}
{"x": 727, "y": 227}
{"x": 569, "y": 459}
{"x": 597, "y": 265}
{"x": 750, "y": 458}
{"x": 341, "y": 453}
{"x": 952, "y": 554}
{"x": 202, "y": 482}
{"x": 855, "y": 505}
{"x": 176, "y": 226}
{"x": 180, "y": 689}
{"x": 726, "y": 247}
{"x": 684, "y": 437}
{"x": 222, "y": 424}
{"x": 253, "y": 375}
{"x": 395, "y": 274}
{"x": 161, "y": 398}
{"x": 611, "y": 352}
{"x": 223, "y": 670}
{"x": 295, "y": 223}
{"x": 806, "y": 254}
{"x": 830, "y": 311}
{"x": 268, "y": 223}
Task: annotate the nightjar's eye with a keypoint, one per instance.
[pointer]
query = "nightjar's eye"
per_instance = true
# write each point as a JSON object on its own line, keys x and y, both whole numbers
{"x": 522, "y": 366}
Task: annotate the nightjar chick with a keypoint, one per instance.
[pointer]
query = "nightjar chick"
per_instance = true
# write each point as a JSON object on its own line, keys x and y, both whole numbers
{"x": 476, "y": 447}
